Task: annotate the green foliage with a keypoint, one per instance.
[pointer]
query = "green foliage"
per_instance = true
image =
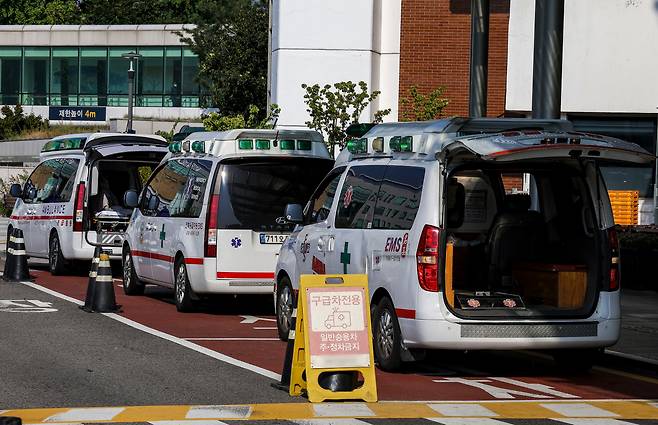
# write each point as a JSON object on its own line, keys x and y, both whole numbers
{"x": 39, "y": 12}
{"x": 335, "y": 107}
{"x": 419, "y": 107}
{"x": 168, "y": 135}
{"x": 15, "y": 122}
{"x": 5, "y": 206}
{"x": 217, "y": 122}
{"x": 233, "y": 51}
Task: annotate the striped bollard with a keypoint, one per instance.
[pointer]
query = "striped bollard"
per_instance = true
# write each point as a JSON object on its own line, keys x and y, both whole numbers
{"x": 103, "y": 300}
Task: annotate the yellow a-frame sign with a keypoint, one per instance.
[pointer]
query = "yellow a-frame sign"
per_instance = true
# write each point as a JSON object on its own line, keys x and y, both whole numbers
{"x": 333, "y": 334}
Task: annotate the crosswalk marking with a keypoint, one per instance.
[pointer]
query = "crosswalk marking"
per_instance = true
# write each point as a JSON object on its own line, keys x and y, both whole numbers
{"x": 578, "y": 410}
{"x": 218, "y": 412}
{"x": 342, "y": 409}
{"x": 593, "y": 421}
{"x": 468, "y": 421}
{"x": 462, "y": 409}
{"x": 193, "y": 422}
{"x": 86, "y": 414}
{"x": 333, "y": 421}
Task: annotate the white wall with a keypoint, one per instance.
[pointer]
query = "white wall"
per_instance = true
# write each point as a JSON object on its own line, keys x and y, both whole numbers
{"x": 610, "y": 56}
{"x": 323, "y": 42}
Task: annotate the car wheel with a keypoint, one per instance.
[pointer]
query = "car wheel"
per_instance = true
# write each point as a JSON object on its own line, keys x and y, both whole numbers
{"x": 284, "y": 306}
{"x": 131, "y": 283}
{"x": 387, "y": 336}
{"x": 576, "y": 361}
{"x": 182, "y": 290}
{"x": 56, "y": 261}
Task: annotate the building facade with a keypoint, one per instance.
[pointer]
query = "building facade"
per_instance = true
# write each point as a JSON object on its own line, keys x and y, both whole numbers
{"x": 390, "y": 44}
{"x": 66, "y": 68}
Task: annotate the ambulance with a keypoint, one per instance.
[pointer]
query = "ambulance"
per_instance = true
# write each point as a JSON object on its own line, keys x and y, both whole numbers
{"x": 209, "y": 220}
{"x": 72, "y": 202}
{"x": 474, "y": 233}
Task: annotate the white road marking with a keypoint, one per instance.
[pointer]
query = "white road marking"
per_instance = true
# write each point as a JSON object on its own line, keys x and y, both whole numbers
{"x": 253, "y": 319}
{"x": 219, "y": 411}
{"x": 497, "y": 392}
{"x": 334, "y": 421}
{"x": 232, "y": 339}
{"x": 86, "y": 414}
{"x": 467, "y": 421}
{"x": 592, "y": 421}
{"x": 187, "y": 344}
{"x": 267, "y": 328}
{"x": 193, "y": 422}
{"x": 342, "y": 409}
{"x": 536, "y": 387}
{"x": 578, "y": 410}
{"x": 461, "y": 409}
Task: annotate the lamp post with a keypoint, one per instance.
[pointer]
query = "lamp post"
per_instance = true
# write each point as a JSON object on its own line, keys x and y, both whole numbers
{"x": 133, "y": 57}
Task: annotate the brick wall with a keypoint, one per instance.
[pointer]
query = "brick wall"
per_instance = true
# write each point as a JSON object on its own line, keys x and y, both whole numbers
{"x": 435, "y": 45}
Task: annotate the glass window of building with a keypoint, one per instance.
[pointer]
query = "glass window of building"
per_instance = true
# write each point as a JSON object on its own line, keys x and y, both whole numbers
{"x": 150, "y": 72}
{"x": 173, "y": 76}
{"x": 93, "y": 76}
{"x": 35, "y": 75}
{"x": 64, "y": 76}
{"x": 10, "y": 75}
{"x": 118, "y": 76}
{"x": 190, "y": 98}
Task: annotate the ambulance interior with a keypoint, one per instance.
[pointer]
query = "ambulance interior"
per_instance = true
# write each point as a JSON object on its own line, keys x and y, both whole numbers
{"x": 521, "y": 242}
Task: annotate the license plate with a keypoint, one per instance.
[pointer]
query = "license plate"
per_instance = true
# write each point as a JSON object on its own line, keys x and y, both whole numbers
{"x": 272, "y": 239}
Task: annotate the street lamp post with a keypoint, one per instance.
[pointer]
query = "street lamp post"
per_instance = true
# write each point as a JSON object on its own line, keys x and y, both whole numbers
{"x": 133, "y": 57}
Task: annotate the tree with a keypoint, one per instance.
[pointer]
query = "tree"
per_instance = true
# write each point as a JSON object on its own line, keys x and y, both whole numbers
{"x": 217, "y": 122}
{"x": 39, "y": 12}
{"x": 233, "y": 53}
{"x": 419, "y": 107}
{"x": 335, "y": 107}
{"x": 126, "y": 12}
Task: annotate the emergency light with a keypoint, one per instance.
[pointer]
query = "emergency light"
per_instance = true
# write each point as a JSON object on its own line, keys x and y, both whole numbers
{"x": 245, "y": 144}
{"x": 287, "y": 145}
{"x": 303, "y": 145}
{"x": 175, "y": 147}
{"x": 401, "y": 144}
{"x": 262, "y": 144}
{"x": 358, "y": 145}
{"x": 63, "y": 144}
{"x": 199, "y": 146}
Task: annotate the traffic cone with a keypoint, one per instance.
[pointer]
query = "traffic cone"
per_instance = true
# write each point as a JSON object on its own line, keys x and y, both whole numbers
{"x": 91, "y": 285}
{"x": 284, "y": 384}
{"x": 9, "y": 260}
{"x": 16, "y": 269}
{"x": 10, "y": 420}
{"x": 103, "y": 300}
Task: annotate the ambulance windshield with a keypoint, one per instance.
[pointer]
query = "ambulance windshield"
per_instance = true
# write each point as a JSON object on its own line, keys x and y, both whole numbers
{"x": 255, "y": 191}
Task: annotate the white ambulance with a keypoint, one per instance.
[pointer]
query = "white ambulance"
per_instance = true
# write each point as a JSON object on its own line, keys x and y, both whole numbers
{"x": 474, "y": 233}
{"x": 209, "y": 219}
{"x": 72, "y": 200}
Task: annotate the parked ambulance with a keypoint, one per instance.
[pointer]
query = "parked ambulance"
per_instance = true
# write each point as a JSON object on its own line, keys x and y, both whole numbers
{"x": 72, "y": 200}
{"x": 209, "y": 221}
{"x": 474, "y": 233}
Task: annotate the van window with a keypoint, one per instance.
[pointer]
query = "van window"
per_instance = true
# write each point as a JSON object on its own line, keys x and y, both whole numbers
{"x": 254, "y": 192}
{"x": 356, "y": 203}
{"x": 52, "y": 181}
{"x": 324, "y": 198}
{"x": 195, "y": 187}
{"x": 168, "y": 184}
{"x": 398, "y": 198}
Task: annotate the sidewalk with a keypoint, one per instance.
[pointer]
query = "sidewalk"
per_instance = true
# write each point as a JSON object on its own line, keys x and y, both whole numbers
{"x": 639, "y": 325}
{"x": 3, "y": 233}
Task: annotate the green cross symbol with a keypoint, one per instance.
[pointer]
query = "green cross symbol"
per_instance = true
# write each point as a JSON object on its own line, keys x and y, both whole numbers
{"x": 345, "y": 258}
{"x": 163, "y": 236}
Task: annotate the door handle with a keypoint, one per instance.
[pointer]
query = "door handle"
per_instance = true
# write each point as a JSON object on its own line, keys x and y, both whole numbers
{"x": 321, "y": 244}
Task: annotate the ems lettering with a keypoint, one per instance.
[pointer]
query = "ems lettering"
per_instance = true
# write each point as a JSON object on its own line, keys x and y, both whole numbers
{"x": 393, "y": 245}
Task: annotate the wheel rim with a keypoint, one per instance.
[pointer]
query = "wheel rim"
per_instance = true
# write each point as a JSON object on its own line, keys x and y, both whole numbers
{"x": 285, "y": 308}
{"x": 54, "y": 251}
{"x": 180, "y": 284}
{"x": 127, "y": 270}
{"x": 385, "y": 334}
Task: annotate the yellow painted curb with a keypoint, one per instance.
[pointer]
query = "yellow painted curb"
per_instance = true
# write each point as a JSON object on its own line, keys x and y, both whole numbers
{"x": 517, "y": 409}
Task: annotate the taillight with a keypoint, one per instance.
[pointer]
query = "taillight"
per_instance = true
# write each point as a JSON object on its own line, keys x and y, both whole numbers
{"x": 614, "y": 259}
{"x": 427, "y": 258}
{"x": 211, "y": 227}
{"x": 79, "y": 208}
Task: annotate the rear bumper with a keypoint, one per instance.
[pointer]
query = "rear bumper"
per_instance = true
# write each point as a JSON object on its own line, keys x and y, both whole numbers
{"x": 79, "y": 249}
{"x": 204, "y": 280}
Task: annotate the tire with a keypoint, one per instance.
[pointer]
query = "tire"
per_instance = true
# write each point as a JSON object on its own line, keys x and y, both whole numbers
{"x": 387, "y": 338}
{"x": 182, "y": 290}
{"x": 285, "y": 303}
{"x": 56, "y": 261}
{"x": 576, "y": 361}
{"x": 131, "y": 283}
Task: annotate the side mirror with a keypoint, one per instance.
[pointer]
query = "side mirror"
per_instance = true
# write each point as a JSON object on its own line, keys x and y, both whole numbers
{"x": 153, "y": 203}
{"x": 294, "y": 213}
{"x": 15, "y": 190}
{"x": 130, "y": 199}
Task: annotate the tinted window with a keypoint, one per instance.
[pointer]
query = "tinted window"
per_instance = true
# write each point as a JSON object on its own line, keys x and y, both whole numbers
{"x": 398, "y": 198}
{"x": 254, "y": 192}
{"x": 168, "y": 185}
{"x": 52, "y": 181}
{"x": 356, "y": 203}
{"x": 323, "y": 198}
{"x": 195, "y": 187}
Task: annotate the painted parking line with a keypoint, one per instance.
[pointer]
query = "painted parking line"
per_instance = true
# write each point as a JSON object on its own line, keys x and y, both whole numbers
{"x": 447, "y": 413}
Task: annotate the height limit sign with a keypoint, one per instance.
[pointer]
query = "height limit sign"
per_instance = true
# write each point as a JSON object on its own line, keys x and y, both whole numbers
{"x": 338, "y": 335}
